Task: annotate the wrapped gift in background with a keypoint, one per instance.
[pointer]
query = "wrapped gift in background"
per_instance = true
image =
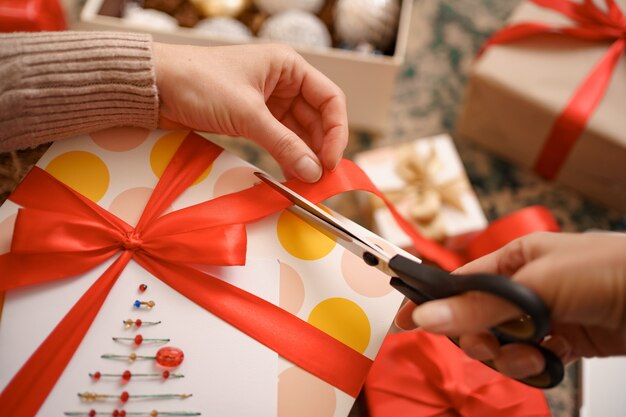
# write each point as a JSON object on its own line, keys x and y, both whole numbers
{"x": 548, "y": 94}
{"x": 426, "y": 182}
{"x": 31, "y": 15}
{"x": 68, "y": 287}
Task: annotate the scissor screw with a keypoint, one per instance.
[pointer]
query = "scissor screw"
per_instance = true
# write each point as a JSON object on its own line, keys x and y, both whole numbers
{"x": 370, "y": 259}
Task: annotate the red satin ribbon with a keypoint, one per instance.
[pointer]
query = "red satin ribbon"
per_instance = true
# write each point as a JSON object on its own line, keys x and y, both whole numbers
{"x": 592, "y": 24}
{"x": 420, "y": 374}
{"x": 74, "y": 235}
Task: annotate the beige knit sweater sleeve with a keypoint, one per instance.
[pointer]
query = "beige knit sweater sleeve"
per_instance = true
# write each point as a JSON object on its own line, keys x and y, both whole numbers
{"x": 58, "y": 84}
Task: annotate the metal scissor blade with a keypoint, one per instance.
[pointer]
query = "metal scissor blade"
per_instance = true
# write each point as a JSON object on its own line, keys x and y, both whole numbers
{"x": 349, "y": 239}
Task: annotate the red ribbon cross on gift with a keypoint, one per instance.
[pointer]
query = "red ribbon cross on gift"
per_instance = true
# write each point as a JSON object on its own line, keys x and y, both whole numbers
{"x": 591, "y": 24}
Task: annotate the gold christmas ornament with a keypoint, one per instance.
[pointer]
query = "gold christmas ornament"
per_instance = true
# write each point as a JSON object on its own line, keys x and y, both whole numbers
{"x": 210, "y": 8}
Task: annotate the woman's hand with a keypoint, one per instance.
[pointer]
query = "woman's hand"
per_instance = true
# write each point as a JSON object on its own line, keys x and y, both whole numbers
{"x": 580, "y": 277}
{"x": 267, "y": 93}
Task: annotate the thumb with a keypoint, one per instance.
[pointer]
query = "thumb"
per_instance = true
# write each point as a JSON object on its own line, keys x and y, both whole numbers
{"x": 288, "y": 149}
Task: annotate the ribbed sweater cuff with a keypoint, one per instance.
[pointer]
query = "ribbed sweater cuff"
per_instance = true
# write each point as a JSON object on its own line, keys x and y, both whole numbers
{"x": 58, "y": 84}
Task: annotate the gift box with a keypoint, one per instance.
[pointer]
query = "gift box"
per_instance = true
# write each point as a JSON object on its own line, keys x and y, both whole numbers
{"x": 31, "y": 15}
{"x": 273, "y": 317}
{"x": 367, "y": 79}
{"x": 426, "y": 181}
{"x": 548, "y": 94}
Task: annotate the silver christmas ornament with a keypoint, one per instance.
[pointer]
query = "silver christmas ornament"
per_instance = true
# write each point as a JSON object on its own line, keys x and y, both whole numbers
{"x": 297, "y": 28}
{"x": 279, "y": 6}
{"x": 369, "y": 21}
{"x": 227, "y": 27}
{"x": 148, "y": 18}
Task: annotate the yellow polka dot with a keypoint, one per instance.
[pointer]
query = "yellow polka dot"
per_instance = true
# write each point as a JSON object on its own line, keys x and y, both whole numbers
{"x": 163, "y": 151}
{"x": 301, "y": 239}
{"x": 83, "y": 171}
{"x": 344, "y": 320}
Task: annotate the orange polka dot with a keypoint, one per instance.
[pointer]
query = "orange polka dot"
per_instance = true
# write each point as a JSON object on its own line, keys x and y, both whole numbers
{"x": 300, "y": 394}
{"x": 344, "y": 320}
{"x": 234, "y": 180}
{"x": 83, "y": 171}
{"x": 301, "y": 239}
{"x": 164, "y": 149}
{"x": 362, "y": 278}
{"x": 120, "y": 139}
{"x": 129, "y": 205}
{"x": 291, "y": 295}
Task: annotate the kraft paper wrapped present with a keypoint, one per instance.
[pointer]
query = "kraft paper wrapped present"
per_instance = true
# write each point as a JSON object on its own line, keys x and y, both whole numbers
{"x": 548, "y": 94}
{"x": 426, "y": 181}
{"x": 274, "y": 318}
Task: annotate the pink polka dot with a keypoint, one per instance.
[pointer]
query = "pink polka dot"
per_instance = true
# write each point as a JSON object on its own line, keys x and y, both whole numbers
{"x": 129, "y": 205}
{"x": 6, "y": 233}
{"x": 234, "y": 180}
{"x": 300, "y": 394}
{"x": 120, "y": 139}
{"x": 362, "y": 278}
{"x": 291, "y": 295}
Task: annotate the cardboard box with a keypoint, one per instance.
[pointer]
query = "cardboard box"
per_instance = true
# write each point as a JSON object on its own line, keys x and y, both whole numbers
{"x": 517, "y": 90}
{"x": 288, "y": 264}
{"x": 367, "y": 80}
{"x": 455, "y": 215}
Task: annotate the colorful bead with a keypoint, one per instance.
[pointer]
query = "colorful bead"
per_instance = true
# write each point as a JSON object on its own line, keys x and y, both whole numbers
{"x": 143, "y": 288}
{"x": 148, "y": 304}
{"x": 169, "y": 357}
{"x": 132, "y": 357}
{"x": 138, "y": 340}
{"x": 92, "y": 413}
{"x": 124, "y": 396}
{"x": 123, "y": 413}
{"x": 128, "y": 323}
{"x": 126, "y": 375}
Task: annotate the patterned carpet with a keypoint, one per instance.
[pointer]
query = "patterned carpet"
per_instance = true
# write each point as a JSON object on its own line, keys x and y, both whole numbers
{"x": 445, "y": 35}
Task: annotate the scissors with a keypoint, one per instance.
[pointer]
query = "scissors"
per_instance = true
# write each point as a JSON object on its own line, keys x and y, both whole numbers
{"x": 421, "y": 283}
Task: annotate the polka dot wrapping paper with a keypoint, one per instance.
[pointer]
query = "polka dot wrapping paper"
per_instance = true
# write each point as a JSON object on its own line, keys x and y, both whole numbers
{"x": 288, "y": 263}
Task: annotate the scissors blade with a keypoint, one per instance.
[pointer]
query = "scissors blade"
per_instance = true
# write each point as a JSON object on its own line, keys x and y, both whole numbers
{"x": 347, "y": 237}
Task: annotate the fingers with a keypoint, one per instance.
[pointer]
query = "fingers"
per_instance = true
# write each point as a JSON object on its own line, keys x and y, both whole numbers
{"x": 469, "y": 313}
{"x": 291, "y": 152}
{"x": 404, "y": 318}
{"x": 328, "y": 99}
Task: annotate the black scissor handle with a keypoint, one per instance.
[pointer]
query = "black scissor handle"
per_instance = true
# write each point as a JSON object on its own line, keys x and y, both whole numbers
{"x": 553, "y": 370}
{"x": 422, "y": 283}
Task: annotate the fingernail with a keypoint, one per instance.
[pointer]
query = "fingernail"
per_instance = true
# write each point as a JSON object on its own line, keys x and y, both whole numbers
{"x": 307, "y": 169}
{"x": 434, "y": 317}
{"x": 524, "y": 366}
{"x": 479, "y": 352}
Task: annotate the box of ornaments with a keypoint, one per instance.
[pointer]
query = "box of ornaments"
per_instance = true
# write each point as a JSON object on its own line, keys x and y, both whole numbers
{"x": 359, "y": 44}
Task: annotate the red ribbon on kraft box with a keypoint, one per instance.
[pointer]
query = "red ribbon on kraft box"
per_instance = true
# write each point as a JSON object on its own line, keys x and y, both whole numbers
{"x": 591, "y": 24}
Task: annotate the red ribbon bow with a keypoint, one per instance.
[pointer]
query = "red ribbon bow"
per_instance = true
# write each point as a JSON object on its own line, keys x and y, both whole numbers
{"x": 591, "y": 24}
{"x": 74, "y": 235}
{"x": 420, "y": 374}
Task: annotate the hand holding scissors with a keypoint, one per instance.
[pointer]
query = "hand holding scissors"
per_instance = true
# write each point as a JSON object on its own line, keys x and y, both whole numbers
{"x": 421, "y": 283}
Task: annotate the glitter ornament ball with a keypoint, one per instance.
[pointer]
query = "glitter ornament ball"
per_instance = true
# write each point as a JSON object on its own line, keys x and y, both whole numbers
{"x": 370, "y": 21}
{"x": 296, "y": 28}
{"x": 230, "y": 8}
{"x": 279, "y": 6}
{"x": 226, "y": 27}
